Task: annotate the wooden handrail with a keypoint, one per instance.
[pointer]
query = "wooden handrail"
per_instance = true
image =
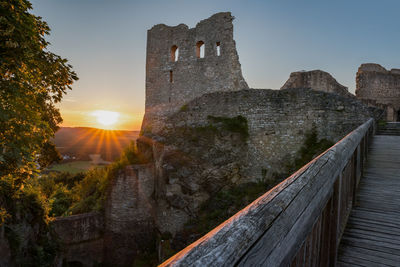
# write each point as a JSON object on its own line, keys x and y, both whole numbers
{"x": 298, "y": 222}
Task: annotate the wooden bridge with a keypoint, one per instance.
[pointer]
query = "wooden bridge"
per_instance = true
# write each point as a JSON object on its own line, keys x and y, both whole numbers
{"x": 372, "y": 234}
{"x": 338, "y": 210}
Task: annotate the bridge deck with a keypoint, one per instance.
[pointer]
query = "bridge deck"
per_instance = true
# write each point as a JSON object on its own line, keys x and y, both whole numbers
{"x": 372, "y": 235}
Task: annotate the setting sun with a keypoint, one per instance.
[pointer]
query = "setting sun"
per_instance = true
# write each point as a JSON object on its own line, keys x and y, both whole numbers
{"x": 105, "y": 117}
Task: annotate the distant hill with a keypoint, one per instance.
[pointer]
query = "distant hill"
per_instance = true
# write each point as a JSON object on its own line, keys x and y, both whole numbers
{"x": 80, "y": 142}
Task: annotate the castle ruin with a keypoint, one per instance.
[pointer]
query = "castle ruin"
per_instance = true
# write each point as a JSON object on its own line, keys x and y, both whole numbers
{"x": 317, "y": 80}
{"x": 375, "y": 85}
{"x": 183, "y": 63}
{"x": 195, "y": 92}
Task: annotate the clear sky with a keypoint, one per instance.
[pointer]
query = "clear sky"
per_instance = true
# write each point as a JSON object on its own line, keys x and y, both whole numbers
{"x": 105, "y": 41}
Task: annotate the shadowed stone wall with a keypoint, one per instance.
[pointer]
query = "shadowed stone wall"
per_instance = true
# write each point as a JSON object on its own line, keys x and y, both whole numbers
{"x": 81, "y": 238}
{"x": 170, "y": 84}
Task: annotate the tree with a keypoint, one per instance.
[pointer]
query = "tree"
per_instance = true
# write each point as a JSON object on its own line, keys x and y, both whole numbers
{"x": 32, "y": 81}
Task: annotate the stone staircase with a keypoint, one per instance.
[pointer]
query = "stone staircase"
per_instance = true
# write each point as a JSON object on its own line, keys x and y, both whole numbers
{"x": 389, "y": 128}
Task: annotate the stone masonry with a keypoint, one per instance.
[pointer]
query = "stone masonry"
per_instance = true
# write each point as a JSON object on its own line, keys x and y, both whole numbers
{"x": 375, "y": 84}
{"x": 277, "y": 121}
{"x": 183, "y": 63}
{"x": 317, "y": 80}
{"x": 129, "y": 215}
{"x": 81, "y": 238}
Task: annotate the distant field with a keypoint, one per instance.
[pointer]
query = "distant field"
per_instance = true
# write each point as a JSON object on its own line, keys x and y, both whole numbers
{"x": 80, "y": 142}
{"x": 73, "y": 167}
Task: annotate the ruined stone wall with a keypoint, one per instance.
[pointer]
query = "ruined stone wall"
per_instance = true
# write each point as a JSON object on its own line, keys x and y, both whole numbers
{"x": 277, "y": 121}
{"x": 170, "y": 84}
{"x": 317, "y": 80}
{"x": 375, "y": 83}
{"x": 193, "y": 159}
{"x": 129, "y": 215}
{"x": 81, "y": 238}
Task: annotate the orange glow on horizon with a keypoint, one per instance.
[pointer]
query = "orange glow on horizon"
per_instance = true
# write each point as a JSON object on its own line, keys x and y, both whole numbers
{"x": 129, "y": 121}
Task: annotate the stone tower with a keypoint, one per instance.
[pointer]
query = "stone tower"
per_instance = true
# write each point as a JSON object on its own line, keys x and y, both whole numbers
{"x": 183, "y": 64}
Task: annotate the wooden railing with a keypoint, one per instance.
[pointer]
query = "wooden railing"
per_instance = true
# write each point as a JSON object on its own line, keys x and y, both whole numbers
{"x": 297, "y": 223}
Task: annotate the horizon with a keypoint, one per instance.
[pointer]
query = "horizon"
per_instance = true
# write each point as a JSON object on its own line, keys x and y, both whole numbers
{"x": 86, "y": 127}
{"x": 106, "y": 44}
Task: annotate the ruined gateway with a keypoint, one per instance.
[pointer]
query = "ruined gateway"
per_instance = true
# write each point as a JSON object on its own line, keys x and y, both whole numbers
{"x": 194, "y": 85}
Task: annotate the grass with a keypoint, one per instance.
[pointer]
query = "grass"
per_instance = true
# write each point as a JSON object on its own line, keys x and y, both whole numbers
{"x": 73, "y": 167}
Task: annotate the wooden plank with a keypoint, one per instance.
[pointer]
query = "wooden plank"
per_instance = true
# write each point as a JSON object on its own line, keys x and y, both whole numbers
{"x": 354, "y": 261}
{"x": 371, "y": 244}
{"x": 374, "y": 256}
{"x": 373, "y": 230}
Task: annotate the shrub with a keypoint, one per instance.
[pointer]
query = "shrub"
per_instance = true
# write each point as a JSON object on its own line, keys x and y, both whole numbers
{"x": 91, "y": 192}
{"x": 236, "y": 124}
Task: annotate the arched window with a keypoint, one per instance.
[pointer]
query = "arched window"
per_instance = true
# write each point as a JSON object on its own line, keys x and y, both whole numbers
{"x": 174, "y": 53}
{"x": 200, "y": 47}
{"x": 218, "y": 46}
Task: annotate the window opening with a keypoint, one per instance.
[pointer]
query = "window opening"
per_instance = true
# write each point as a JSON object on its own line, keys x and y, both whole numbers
{"x": 218, "y": 48}
{"x": 174, "y": 53}
{"x": 171, "y": 76}
{"x": 200, "y": 49}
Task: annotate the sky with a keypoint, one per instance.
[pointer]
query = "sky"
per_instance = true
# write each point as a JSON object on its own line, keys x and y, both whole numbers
{"x": 105, "y": 42}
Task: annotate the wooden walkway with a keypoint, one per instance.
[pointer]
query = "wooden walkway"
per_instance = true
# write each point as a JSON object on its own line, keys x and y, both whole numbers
{"x": 372, "y": 235}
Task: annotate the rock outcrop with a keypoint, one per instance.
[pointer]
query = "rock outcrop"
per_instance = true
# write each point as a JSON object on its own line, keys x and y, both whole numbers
{"x": 317, "y": 80}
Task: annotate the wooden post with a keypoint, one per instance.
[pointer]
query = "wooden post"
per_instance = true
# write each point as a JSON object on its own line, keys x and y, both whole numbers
{"x": 335, "y": 218}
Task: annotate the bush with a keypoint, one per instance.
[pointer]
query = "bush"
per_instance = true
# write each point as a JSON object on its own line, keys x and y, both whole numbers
{"x": 91, "y": 192}
{"x": 236, "y": 124}
{"x": 225, "y": 204}
{"x": 61, "y": 200}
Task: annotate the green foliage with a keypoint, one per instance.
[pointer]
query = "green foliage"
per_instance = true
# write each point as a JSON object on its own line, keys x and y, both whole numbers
{"x": 60, "y": 201}
{"x": 91, "y": 192}
{"x": 236, "y": 124}
{"x": 184, "y": 108}
{"x": 311, "y": 148}
{"x": 26, "y": 212}
{"x": 32, "y": 81}
{"x": 73, "y": 167}
{"x": 48, "y": 155}
{"x": 224, "y": 205}
{"x": 382, "y": 123}
{"x": 33, "y": 202}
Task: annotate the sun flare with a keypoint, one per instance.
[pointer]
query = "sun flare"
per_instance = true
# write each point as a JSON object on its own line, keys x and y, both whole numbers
{"x": 105, "y": 117}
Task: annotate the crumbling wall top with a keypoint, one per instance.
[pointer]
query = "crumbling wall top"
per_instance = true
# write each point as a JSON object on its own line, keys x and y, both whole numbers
{"x": 317, "y": 80}
{"x": 372, "y": 67}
